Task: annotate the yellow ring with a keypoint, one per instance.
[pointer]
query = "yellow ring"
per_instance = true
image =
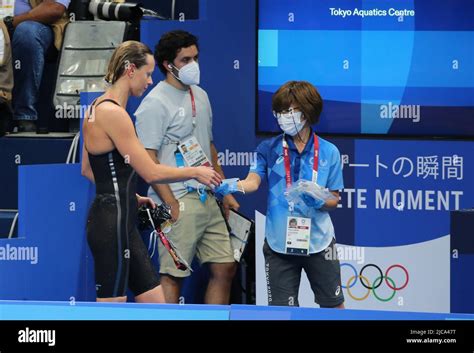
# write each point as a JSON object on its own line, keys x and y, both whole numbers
{"x": 349, "y": 290}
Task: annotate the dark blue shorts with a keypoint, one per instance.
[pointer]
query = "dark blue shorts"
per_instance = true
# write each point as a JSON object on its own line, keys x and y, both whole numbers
{"x": 283, "y": 274}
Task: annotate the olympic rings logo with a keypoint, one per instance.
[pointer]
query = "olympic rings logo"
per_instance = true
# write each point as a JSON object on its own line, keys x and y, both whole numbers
{"x": 351, "y": 282}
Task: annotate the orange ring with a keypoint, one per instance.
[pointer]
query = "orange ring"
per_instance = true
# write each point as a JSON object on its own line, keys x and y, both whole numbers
{"x": 349, "y": 290}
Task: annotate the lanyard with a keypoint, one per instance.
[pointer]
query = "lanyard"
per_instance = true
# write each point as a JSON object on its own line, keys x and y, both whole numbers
{"x": 193, "y": 103}
{"x": 200, "y": 189}
{"x": 286, "y": 157}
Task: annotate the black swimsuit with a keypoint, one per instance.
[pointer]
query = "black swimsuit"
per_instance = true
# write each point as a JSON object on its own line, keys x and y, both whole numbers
{"x": 120, "y": 256}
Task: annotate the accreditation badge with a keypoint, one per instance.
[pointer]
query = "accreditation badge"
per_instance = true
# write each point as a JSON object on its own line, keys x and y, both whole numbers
{"x": 314, "y": 177}
{"x": 193, "y": 153}
{"x": 298, "y": 232}
{"x": 7, "y": 8}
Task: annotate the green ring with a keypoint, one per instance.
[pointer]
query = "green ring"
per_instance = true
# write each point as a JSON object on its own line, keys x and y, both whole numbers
{"x": 375, "y": 294}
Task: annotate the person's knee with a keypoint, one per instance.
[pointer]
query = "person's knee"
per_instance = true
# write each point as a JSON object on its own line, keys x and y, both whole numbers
{"x": 26, "y": 33}
{"x": 223, "y": 272}
{"x": 171, "y": 281}
{"x": 27, "y": 29}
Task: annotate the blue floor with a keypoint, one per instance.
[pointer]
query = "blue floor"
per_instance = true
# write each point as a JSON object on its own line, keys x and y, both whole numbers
{"x": 36, "y": 310}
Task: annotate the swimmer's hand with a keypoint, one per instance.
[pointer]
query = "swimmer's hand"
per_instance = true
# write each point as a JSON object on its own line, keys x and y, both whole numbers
{"x": 141, "y": 200}
{"x": 207, "y": 176}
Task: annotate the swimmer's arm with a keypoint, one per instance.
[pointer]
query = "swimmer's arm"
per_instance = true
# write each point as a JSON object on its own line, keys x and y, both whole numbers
{"x": 119, "y": 127}
{"x": 86, "y": 169}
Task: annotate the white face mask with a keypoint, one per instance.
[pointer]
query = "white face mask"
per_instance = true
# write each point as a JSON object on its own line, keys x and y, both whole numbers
{"x": 291, "y": 123}
{"x": 189, "y": 74}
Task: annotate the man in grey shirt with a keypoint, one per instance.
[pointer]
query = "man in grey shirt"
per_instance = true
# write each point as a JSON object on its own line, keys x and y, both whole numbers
{"x": 174, "y": 112}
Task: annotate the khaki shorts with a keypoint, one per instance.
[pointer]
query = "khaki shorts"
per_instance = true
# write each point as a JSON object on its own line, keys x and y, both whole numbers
{"x": 6, "y": 68}
{"x": 200, "y": 230}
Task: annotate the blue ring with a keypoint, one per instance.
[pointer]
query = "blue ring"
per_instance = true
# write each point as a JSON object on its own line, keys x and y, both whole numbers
{"x": 355, "y": 273}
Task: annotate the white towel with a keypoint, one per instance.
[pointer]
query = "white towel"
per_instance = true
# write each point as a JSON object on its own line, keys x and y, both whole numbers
{"x": 2, "y": 47}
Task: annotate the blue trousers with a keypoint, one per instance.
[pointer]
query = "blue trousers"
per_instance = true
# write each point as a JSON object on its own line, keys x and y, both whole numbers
{"x": 31, "y": 41}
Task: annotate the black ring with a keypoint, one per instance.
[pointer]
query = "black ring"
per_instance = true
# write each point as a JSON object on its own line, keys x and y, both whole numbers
{"x": 362, "y": 282}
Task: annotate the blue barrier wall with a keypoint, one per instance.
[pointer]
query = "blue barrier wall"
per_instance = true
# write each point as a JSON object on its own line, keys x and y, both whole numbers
{"x": 50, "y": 259}
{"x": 16, "y": 152}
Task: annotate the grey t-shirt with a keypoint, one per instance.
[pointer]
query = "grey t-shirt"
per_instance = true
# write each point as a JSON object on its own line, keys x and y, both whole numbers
{"x": 164, "y": 118}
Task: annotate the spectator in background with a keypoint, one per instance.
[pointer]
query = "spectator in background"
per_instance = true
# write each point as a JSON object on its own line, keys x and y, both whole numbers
{"x": 6, "y": 78}
{"x": 34, "y": 28}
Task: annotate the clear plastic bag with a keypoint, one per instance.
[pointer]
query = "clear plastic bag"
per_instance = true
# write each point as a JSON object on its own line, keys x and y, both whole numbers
{"x": 308, "y": 194}
{"x": 305, "y": 198}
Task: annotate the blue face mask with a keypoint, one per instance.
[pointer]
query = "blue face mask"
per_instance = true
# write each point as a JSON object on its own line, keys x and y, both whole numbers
{"x": 291, "y": 123}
